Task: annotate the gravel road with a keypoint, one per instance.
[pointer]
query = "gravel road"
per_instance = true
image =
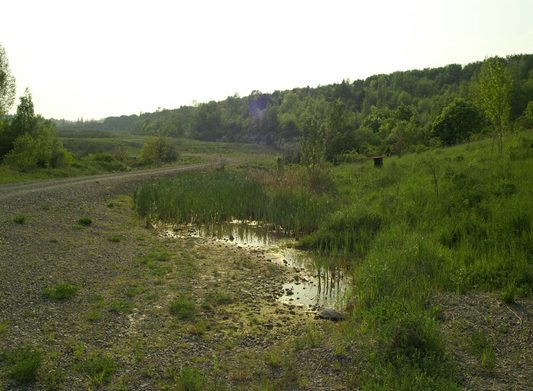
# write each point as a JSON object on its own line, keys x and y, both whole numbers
{"x": 17, "y": 190}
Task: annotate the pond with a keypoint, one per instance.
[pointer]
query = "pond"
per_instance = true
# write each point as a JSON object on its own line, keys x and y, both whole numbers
{"x": 317, "y": 282}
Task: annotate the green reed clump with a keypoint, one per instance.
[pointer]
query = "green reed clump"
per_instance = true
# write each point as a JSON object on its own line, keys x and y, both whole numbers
{"x": 348, "y": 232}
{"x": 217, "y": 196}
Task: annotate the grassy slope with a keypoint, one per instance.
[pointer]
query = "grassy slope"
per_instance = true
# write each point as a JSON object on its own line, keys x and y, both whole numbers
{"x": 449, "y": 220}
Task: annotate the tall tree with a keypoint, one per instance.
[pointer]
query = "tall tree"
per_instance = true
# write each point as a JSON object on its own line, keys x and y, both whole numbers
{"x": 493, "y": 89}
{"x": 7, "y": 84}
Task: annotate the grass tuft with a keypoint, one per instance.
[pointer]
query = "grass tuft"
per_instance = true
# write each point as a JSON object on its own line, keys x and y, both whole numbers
{"x": 23, "y": 364}
{"x": 19, "y": 219}
{"x": 86, "y": 221}
{"x": 183, "y": 308}
{"x": 60, "y": 292}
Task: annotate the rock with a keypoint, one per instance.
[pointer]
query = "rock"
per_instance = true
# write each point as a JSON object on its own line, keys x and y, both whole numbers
{"x": 330, "y": 314}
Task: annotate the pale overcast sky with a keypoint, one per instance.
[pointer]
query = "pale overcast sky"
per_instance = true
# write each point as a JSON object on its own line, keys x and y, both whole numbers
{"x": 94, "y": 59}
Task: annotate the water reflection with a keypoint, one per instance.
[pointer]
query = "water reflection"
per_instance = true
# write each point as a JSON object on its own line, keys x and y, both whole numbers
{"x": 317, "y": 282}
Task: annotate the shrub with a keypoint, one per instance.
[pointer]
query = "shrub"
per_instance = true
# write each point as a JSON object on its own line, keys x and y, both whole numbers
{"x": 38, "y": 149}
{"x": 157, "y": 151}
{"x": 458, "y": 121}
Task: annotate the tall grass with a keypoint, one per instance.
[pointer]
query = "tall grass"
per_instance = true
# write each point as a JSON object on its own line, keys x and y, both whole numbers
{"x": 212, "y": 197}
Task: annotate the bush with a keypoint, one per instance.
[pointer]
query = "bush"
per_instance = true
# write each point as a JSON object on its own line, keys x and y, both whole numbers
{"x": 38, "y": 149}
{"x": 458, "y": 121}
{"x": 157, "y": 151}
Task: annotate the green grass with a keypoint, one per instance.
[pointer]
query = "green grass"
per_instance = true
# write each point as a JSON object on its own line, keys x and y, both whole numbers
{"x": 98, "y": 367}
{"x": 445, "y": 220}
{"x": 219, "y": 196}
{"x": 60, "y": 292}
{"x": 189, "y": 379}
{"x": 86, "y": 221}
{"x": 22, "y": 364}
{"x": 183, "y": 308}
{"x": 19, "y": 219}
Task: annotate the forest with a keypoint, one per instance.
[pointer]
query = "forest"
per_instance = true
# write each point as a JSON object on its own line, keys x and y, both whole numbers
{"x": 383, "y": 114}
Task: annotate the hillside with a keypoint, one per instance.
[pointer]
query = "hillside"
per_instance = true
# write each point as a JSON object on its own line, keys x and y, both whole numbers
{"x": 383, "y": 113}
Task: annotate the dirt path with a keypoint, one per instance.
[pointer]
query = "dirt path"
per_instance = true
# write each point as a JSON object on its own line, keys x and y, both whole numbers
{"x": 149, "y": 313}
{"x": 14, "y": 190}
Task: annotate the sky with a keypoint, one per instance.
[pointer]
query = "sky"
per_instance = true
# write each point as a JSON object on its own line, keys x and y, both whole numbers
{"x": 93, "y": 59}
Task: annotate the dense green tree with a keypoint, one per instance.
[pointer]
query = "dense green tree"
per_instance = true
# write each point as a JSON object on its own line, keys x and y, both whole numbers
{"x": 385, "y": 104}
{"x": 457, "y": 122}
{"x": 39, "y": 148}
{"x": 23, "y": 122}
{"x": 7, "y": 84}
{"x": 528, "y": 115}
{"x": 31, "y": 140}
{"x": 493, "y": 90}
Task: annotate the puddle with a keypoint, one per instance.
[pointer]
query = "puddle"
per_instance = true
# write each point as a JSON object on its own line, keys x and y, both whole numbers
{"x": 316, "y": 282}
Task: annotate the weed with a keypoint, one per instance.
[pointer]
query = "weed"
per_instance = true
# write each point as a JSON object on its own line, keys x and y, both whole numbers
{"x": 3, "y": 328}
{"x": 86, "y": 221}
{"x": 189, "y": 379}
{"x": 98, "y": 367}
{"x": 198, "y": 328}
{"x": 217, "y": 298}
{"x": 23, "y": 364}
{"x": 60, "y": 292}
{"x": 121, "y": 306}
{"x": 275, "y": 358}
{"x": 114, "y": 238}
{"x": 509, "y": 293}
{"x": 155, "y": 262}
{"x": 488, "y": 360}
{"x": 183, "y": 308}
{"x": 19, "y": 219}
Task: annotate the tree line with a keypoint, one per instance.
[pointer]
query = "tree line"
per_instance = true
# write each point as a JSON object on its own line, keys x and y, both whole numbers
{"x": 383, "y": 114}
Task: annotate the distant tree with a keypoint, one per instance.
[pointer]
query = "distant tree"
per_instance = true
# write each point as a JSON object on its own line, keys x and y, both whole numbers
{"x": 159, "y": 150}
{"x": 528, "y": 115}
{"x": 313, "y": 137}
{"x": 457, "y": 122}
{"x": 7, "y": 84}
{"x": 38, "y": 149}
{"x": 493, "y": 89}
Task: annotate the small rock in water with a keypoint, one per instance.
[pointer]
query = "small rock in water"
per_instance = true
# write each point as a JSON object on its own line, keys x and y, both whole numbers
{"x": 231, "y": 238}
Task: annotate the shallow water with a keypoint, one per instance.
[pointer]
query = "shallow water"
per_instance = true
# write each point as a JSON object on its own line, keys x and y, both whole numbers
{"x": 315, "y": 283}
